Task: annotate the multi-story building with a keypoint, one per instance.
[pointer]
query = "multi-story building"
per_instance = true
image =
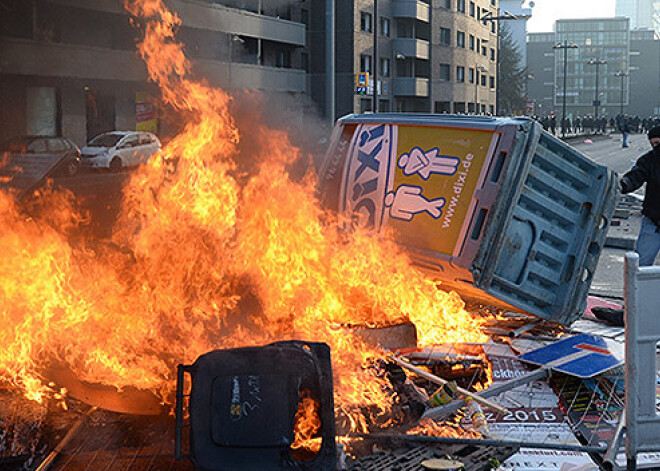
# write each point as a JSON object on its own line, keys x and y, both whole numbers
{"x": 438, "y": 57}
{"x": 603, "y": 50}
{"x": 642, "y": 13}
{"x": 541, "y": 66}
{"x": 69, "y": 67}
{"x": 643, "y": 82}
{"x": 612, "y": 69}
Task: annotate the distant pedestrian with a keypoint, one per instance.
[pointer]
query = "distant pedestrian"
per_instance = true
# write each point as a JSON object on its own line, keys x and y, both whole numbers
{"x": 647, "y": 170}
{"x": 553, "y": 124}
{"x": 625, "y": 131}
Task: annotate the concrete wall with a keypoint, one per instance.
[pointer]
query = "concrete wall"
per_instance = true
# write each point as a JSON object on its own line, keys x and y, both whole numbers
{"x": 214, "y": 17}
{"x": 644, "y": 78}
{"x": 541, "y": 64}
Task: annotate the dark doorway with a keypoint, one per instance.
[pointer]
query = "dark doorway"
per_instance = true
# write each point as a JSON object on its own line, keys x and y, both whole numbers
{"x": 100, "y": 113}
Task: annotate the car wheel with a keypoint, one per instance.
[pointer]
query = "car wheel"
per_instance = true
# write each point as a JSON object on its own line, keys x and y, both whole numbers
{"x": 115, "y": 165}
{"x": 72, "y": 167}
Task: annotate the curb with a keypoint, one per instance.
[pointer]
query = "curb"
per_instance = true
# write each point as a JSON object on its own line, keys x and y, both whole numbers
{"x": 620, "y": 242}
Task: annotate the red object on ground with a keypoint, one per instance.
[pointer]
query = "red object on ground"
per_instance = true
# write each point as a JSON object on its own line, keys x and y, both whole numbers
{"x": 593, "y": 301}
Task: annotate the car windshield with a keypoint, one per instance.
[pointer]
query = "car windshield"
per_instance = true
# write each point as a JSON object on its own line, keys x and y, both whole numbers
{"x": 17, "y": 145}
{"x": 105, "y": 140}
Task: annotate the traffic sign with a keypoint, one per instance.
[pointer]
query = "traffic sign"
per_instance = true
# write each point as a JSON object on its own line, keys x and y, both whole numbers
{"x": 583, "y": 356}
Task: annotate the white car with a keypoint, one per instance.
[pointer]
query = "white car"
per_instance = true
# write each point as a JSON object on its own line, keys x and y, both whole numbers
{"x": 119, "y": 149}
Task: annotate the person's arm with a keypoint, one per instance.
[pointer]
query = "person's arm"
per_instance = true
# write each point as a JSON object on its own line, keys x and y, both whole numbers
{"x": 636, "y": 176}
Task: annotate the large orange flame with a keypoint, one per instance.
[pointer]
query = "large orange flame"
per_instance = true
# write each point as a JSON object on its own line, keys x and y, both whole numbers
{"x": 206, "y": 257}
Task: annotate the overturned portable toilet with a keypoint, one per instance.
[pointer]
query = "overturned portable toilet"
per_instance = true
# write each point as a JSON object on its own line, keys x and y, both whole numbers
{"x": 496, "y": 208}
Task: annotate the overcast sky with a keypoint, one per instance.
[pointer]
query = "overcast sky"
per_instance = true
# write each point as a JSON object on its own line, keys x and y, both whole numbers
{"x": 545, "y": 12}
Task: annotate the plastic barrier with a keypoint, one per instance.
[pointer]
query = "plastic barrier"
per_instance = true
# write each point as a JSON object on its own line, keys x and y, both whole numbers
{"x": 496, "y": 208}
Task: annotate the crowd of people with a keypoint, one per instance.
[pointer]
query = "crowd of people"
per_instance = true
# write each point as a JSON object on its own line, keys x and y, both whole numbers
{"x": 624, "y": 124}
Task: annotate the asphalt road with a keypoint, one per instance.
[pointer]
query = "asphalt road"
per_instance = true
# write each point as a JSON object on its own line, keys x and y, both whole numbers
{"x": 607, "y": 150}
{"x": 608, "y": 278}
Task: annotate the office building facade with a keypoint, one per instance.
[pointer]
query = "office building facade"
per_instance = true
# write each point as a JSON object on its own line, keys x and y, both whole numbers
{"x": 642, "y": 13}
{"x": 69, "y": 67}
{"x": 613, "y": 68}
{"x": 438, "y": 57}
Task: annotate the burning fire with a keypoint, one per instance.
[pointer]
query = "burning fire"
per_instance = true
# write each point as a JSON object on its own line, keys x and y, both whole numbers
{"x": 307, "y": 424}
{"x": 431, "y": 428}
{"x": 205, "y": 255}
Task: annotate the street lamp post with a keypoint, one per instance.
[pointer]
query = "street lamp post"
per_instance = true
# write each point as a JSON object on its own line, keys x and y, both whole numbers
{"x": 565, "y": 46}
{"x": 597, "y": 63}
{"x": 375, "y": 61}
{"x": 488, "y": 17}
{"x": 622, "y": 75}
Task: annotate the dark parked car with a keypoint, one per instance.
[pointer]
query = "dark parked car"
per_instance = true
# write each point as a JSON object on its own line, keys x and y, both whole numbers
{"x": 60, "y": 149}
{"x": 26, "y": 161}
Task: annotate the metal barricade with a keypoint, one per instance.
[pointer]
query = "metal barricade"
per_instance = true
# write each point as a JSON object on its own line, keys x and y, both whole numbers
{"x": 642, "y": 300}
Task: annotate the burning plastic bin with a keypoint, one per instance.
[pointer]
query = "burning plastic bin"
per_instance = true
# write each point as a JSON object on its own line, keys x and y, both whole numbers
{"x": 496, "y": 208}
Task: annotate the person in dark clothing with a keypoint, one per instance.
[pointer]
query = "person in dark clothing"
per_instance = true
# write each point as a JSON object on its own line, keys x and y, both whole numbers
{"x": 647, "y": 170}
{"x": 553, "y": 124}
{"x": 625, "y": 131}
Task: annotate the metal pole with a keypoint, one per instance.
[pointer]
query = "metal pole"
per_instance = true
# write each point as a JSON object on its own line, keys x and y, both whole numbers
{"x": 476, "y": 90}
{"x": 497, "y": 70}
{"x": 330, "y": 60}
{"x": 563, "y": 113}
{"x": 622, "y": 76}
{"x": 596, "y": 99}
{"x": 483, "y": 442}
{"x": 375, "y": 64}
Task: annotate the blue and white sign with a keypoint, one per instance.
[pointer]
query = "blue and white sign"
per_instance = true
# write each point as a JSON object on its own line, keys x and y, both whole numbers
{"x": 583, "y": 356}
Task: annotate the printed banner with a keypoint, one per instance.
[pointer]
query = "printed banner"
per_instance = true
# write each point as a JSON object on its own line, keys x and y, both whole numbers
{"x": 420, "y": 180}
{"x": 145, "y": 114}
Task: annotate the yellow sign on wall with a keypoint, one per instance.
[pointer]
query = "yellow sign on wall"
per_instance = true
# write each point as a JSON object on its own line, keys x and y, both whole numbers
{"x": 146, "y": 118}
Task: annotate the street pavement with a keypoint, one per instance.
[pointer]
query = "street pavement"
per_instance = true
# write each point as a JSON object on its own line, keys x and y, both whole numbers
{"x": 607, "y": 150}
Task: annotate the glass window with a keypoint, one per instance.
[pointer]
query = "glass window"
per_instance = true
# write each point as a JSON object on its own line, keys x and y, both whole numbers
{"x": 283, "y": 59}
{"x": 460, "y": 6}
{"x": 365, "y": 63}
{"x": 56, "y": 145}
{"x": 492, "y": 54}
{"x": 365, "y": 105}
{"x": 460, "y": 39}
{"x": 471, "y": 43}
{"x": 460, "y": 74}
{"x": 385, "y": 27}
{"x": 445, "y": 36}
{"x": 384, "y": 67}
{"x": 444, "y": 72}
{"x": 365, "y": 21}
{"x": 471, "y": 75}
{"x": 491, "y": 81}
{"x": 129, "y": 141}
{"x": 473, "y": 11}
{"x": 105, "y": 140}
{"x": 36, "y": 146}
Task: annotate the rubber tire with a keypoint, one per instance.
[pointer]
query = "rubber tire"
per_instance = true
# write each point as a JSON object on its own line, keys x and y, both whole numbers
{"x": 115, "y": 165}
